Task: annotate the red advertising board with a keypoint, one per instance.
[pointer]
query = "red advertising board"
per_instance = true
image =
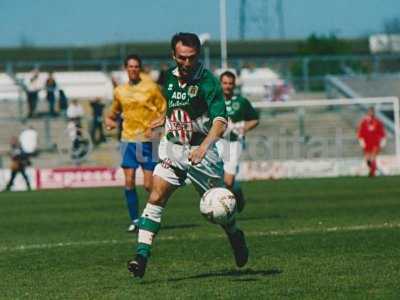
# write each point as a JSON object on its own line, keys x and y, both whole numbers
{"x": 80, "y": 177}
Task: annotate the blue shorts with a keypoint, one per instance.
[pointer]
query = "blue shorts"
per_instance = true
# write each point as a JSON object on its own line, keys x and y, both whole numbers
{"x": 138, "y": 154}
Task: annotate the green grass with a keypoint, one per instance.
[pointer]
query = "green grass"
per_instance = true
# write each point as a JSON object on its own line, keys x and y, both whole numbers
{"x": 309, "y": 239}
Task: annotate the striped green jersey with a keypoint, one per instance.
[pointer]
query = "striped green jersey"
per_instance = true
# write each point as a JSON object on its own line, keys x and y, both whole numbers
{"x": 239, "y": 109}
{"x": 192, "y": 107}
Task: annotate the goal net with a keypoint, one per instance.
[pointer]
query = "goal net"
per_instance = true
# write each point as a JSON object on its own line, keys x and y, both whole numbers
{"x": 317, "y": 138}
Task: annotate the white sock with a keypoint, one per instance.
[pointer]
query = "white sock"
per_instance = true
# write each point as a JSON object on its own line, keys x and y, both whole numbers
{"x": 153, "y": 212}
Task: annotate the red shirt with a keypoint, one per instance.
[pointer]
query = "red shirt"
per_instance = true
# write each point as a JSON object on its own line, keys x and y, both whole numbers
{"x": 371, "y": 130}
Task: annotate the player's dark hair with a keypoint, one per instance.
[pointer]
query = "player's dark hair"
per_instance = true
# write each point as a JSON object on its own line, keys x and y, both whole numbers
{"x": 227, "y": 74}
{"x": 134, "y": 57}
{"x": 188, "y": 39}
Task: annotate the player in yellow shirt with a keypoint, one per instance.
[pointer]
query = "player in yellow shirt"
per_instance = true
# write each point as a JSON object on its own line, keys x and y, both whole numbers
{"x": 143, "y": 107}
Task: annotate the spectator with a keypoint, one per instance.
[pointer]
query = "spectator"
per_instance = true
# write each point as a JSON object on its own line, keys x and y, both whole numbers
{"x": 33, "y": 88}
{"x": 75, "y": 112}
{"x": 281, "y": 91}
{"x": 372, "y": 137}
{"x": 51, "y": 87}
{"x": 62, "y": 102}
{"x": 80, "y": 144}
{"x": 19, "y": 161}
{"x": 28, "y": 139}
{"x": 97, "y": 121}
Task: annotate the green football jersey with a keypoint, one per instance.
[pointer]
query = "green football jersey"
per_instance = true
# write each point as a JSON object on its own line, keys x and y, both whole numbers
{"x": 239, "y": 109}
{"x": 192, "y": 107}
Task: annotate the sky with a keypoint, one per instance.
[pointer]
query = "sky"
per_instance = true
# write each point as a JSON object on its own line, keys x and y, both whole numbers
{"x": 89, "y": 22}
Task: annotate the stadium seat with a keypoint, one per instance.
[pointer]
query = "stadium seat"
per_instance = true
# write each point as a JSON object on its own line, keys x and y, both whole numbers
{"x": 255, "y": 83}
{"x": 8, "y": 89}
{"x": 77, "y": 84}
{"x": 85, "y": 84}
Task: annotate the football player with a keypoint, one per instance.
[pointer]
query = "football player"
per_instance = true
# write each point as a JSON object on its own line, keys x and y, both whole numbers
{"x": 242, "y": 117}
{"x": 195, "y": 119}
{"x": 142, "y": 105}
{"x": 372, "y": 137}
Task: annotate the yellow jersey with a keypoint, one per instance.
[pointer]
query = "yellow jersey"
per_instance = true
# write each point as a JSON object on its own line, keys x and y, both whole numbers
{"x": 140, "y": 104}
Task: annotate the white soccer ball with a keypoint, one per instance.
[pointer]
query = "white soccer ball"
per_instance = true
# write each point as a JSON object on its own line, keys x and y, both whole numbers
{"x": 218, "y": 205}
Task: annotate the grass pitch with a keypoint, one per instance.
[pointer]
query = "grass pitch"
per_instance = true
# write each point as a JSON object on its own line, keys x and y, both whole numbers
{"x": 309, "y": 239}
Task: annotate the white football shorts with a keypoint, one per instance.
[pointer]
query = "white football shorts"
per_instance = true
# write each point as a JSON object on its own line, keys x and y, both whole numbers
{"x": 175, "y": 167}
{"x": 230, "y": 152}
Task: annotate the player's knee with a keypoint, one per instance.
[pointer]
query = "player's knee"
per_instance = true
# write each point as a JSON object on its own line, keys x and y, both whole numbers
{"x": 147, "y": 186}
{"x": 148, "y": 182}
{"x": 156, "y": 197}
{"x": 129, "y": 182}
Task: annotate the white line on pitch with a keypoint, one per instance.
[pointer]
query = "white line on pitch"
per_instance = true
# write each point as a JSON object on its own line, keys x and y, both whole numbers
{"x": 194, "y": 237}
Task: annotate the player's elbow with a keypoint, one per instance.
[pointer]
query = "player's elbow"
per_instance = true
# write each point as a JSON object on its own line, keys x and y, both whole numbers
{"x": 219, "y": 126}
{"x": 222, "y": 130}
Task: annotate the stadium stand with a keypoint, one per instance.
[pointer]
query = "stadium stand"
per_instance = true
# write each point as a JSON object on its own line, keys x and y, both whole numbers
{"x": 86, "y": 85}
{"x": 258, "y": 82}
{"x": 8, "y": 88}
{"x": 374, "y": 85}
{"x": 346, "y": 87}
{"x": 308, "y": 133}
{"x": 78, "y": 84}
{"x": 316, "y": 133}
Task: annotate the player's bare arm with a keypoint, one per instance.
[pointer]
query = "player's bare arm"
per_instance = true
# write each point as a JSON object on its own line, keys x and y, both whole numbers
{"x": 213, "y": 135}
{"x": 361, "y": 142}
{"x": 249, "y": 125}
{"x": 159, "y": 122}
{"x": 110, "y": 120}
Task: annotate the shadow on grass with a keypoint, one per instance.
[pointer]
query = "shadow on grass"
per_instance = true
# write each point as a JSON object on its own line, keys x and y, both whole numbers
{"x": 236, "y": 275}
{"x": 232, "y": 273}
{"x": 181, "y": 226}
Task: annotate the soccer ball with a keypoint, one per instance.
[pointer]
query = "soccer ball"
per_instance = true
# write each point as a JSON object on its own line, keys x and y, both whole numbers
{"x": 218, "y": 205}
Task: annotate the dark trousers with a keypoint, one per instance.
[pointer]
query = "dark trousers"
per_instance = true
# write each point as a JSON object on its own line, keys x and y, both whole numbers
{"x": 14, "y": 174}
{"x": 97, "y": 126}
{"x": 51, "y": 99}
{"x": 32, "y": 103}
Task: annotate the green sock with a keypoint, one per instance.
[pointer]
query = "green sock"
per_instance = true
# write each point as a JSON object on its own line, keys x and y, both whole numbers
{"x": 147, "y": 232}
{"x": 231, "y": 227}
{"x": 237, "y": 191}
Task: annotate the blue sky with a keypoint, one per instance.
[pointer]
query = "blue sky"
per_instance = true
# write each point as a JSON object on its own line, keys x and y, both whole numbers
{"x": 89, "y": 22}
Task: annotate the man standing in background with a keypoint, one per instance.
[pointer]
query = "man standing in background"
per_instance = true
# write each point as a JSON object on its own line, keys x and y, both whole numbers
{"x": 28, "y": 139}
{"x": 51, "y": 87}
{"x": 32, "y": 89}
{"x": 97, "y": 121}
{"x": 142, "y": 105}
{"x": 19, "y": 161}
{"x": 242, "y": 118}
{"x": 372, "y": 137}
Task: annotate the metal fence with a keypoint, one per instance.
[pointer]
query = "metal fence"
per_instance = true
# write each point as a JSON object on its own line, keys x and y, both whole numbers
{"x": 305, "y": 73}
